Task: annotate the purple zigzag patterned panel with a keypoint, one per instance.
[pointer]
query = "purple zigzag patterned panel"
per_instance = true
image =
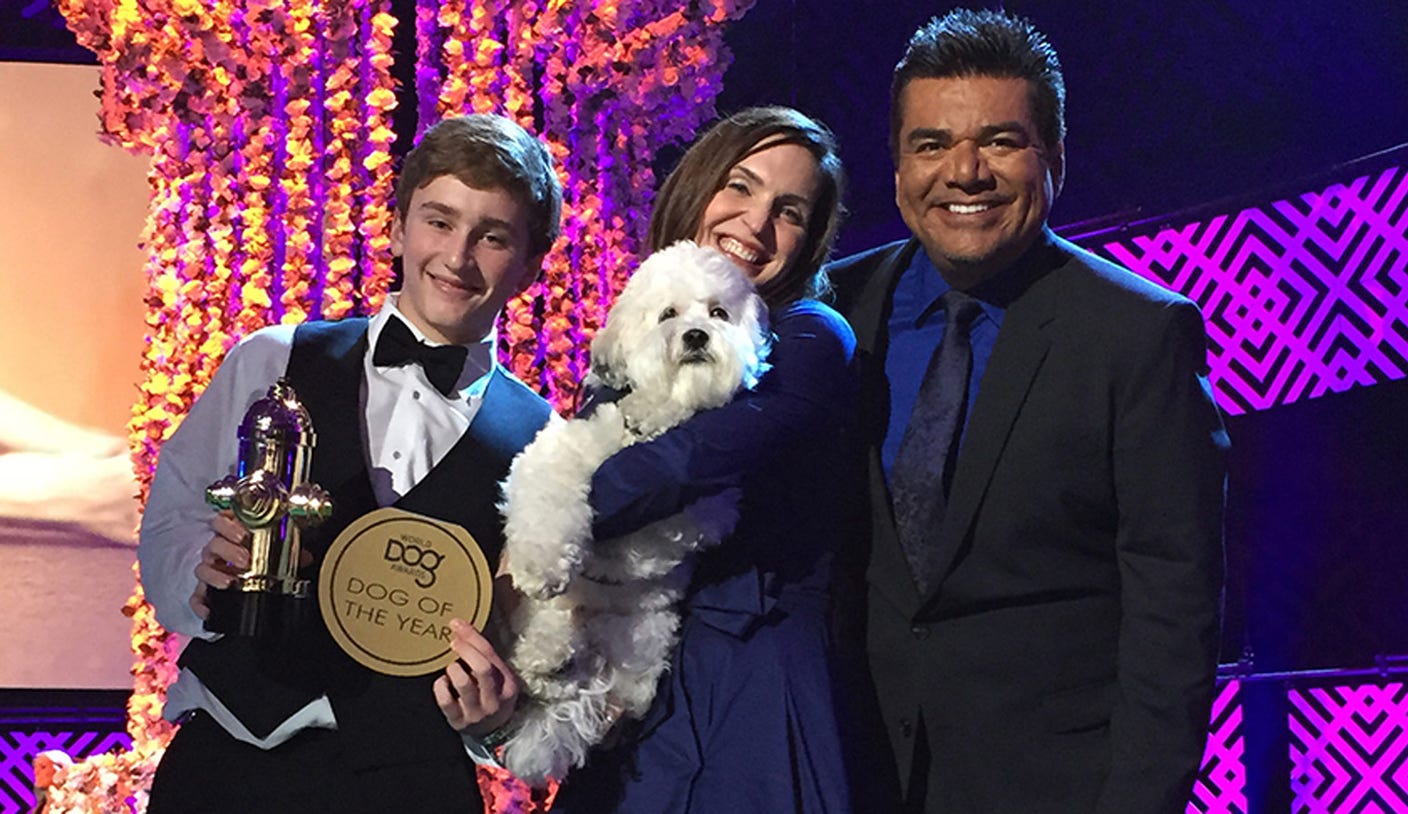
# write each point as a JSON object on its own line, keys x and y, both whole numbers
{"x": 1221, "y": 787}
{"x": 1349, "y": 749}
{"x": 18, "y": 750}
{"x": 1303, "y": 297}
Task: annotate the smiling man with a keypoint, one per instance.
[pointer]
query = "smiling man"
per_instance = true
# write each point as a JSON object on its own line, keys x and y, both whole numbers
{"x": 411, "y": 410}
{"x": 1045, "y": 465}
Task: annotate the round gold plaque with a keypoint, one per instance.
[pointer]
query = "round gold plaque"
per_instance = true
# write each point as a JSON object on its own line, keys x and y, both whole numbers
{"x": 391, "y": 583}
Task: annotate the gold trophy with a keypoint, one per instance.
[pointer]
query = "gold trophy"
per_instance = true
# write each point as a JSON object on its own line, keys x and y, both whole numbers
{"x": 271, "y": 495}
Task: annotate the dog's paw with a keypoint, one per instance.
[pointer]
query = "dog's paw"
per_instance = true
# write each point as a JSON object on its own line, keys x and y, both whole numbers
{"x": 554, "y": 737}
{"x": 542, "y": 749}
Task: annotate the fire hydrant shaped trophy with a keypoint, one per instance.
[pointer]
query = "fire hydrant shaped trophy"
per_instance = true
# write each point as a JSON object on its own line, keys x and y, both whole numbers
{"x": 272, "y": 497}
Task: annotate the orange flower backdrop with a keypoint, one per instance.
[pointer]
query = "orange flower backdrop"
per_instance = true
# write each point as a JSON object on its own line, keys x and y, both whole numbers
{"x": 269, "y": 127}
{"x": 606, "y": 84}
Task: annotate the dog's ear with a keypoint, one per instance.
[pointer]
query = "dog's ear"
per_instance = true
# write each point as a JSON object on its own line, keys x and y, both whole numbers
{"x": 758, "y": 316}
{"x": 608, "y": 346}
{"x": 606, "y": 362}
{"x": 755, "y": 322}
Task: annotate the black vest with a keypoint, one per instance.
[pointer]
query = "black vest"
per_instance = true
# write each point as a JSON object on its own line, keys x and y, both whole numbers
{"x": 382, "y": 719}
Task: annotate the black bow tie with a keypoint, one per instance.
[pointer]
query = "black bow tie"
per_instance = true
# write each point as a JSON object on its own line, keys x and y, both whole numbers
{"x": 398, "y": 346}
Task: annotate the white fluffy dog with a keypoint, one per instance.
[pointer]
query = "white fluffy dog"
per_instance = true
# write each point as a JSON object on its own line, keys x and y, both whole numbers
{"x": 597, "y": 620}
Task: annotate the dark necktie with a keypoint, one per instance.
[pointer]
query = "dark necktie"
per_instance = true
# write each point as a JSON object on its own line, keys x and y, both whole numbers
{"x": 923, "y": 468}
{"x": 398, "y": 346}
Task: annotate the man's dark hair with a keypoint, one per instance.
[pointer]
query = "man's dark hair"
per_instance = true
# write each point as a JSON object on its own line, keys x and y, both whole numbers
{"x": 485, "y": 151}
{"x": 967, "y": 42}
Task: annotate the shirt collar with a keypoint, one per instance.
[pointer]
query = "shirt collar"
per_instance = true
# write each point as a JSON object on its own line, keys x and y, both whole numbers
{"x": 479, "y": 362}
{"x": 927, "y": 285}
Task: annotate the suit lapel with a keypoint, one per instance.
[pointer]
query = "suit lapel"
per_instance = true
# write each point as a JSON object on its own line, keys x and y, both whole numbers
{"x": 333, "y": 371}
{"x": 888, "y": 570}
{"x": 872, "y": 307}
{"x": 509, "y": 417}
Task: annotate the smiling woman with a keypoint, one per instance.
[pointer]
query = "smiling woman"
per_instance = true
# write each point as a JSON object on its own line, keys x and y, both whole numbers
{"x": 760, "y": 217}
{"x": 747, "y": 717}
{"x": 764, "y": 185}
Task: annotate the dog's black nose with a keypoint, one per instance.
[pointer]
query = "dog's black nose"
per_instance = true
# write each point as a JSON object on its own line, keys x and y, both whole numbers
{"x": 695, "y": 339}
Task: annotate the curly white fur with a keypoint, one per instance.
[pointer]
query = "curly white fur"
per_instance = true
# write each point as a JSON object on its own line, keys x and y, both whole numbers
{"x": 598, "y": 620}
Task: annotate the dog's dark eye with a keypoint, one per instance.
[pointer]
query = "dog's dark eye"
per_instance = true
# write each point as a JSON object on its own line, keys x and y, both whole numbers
{"x": 668, "y": 313}
{"x": 717, "y": 312}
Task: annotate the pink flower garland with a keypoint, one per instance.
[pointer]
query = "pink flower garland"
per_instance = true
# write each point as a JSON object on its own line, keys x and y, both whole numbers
{"x": 607, "y": 85}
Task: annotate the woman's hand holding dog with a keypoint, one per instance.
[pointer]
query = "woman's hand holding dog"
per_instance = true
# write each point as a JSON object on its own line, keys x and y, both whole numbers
{"x": 478, "y": 692}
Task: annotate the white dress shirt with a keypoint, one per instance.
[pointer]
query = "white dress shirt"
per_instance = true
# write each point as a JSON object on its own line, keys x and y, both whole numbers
{"x": 407, "y": 428}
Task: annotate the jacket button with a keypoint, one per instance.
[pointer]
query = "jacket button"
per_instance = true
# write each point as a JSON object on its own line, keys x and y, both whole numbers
{"x": 906, "y": 727}
{"x": 919, "y": 632}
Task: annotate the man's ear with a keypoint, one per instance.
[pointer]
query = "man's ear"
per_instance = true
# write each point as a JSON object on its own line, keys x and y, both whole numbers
{"x": 398, "y": 233}
{"x": 533, "y": 272}
{"x": 1056, "y": 163}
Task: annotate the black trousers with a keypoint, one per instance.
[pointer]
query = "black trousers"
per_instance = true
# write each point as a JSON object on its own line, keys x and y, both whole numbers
{"x": 205, "y": 771}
